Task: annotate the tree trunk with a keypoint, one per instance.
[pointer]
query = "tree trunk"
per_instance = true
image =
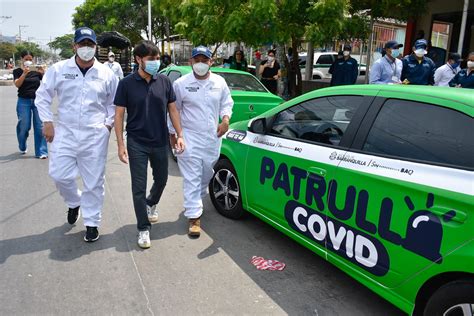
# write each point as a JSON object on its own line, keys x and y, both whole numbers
{"x": 369, "y": 50}
{"x": 294, "y": 66}
{"x": 309, "y": 62}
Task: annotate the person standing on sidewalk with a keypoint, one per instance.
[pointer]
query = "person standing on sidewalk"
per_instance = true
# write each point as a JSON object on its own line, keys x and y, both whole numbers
{"x": 202, "y": 97}
{"x": 27, "y": 83}
{"x": 445, "y": 73}
{"x": 388, "y": 69}
{"x": 417, "y": 68}
{"x": 79, "y": 140}
{"x": 465, "y": 78}
{"x": 344, "y": 71}
{"x": 270, "y": 72}
{"x": 114, "y": 66}
{"x": 147, "y": 97}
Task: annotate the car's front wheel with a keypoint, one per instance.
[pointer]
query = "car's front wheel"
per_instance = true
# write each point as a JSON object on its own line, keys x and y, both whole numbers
{"x": 452, "y": 299}
{"x": 224, "y": 190}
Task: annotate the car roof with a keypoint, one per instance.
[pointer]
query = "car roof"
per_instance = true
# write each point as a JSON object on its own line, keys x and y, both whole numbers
{"x": 464, "y": 96}
{"x": 188, "y": 69}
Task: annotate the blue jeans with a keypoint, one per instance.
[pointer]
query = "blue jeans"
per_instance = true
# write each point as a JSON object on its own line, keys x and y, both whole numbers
{"x": 25, "y": 108}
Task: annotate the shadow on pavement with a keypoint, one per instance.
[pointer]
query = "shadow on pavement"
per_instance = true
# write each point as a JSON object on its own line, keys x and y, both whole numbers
{"x": 13, "y": 157}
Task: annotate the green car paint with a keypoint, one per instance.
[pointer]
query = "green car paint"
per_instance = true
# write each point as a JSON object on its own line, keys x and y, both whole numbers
{"x": 393, "y": 224}
{"x": 250, "y": 97}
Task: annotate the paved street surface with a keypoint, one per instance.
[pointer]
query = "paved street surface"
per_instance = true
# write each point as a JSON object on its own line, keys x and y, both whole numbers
{"x": 47, "y": 268}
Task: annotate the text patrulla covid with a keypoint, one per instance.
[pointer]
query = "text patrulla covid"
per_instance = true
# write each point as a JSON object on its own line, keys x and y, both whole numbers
{"x": 356, "y": 244}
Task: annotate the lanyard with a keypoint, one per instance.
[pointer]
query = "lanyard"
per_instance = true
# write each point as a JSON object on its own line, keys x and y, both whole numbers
{"x": 452, "y": 69}
{"x": 392, "y": 65}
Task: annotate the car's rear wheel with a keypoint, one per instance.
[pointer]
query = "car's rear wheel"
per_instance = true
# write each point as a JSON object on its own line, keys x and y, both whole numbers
{"x": 224, "y": 190}
{"x": 453, "y": 299}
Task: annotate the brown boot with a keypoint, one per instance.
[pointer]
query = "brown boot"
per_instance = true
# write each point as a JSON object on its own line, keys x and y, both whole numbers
{"x": 194, "y": 227}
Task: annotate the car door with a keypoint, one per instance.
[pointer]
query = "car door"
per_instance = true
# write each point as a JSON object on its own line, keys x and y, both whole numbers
{"x": 323, "y": 63}
{"x": 289, "y": 170}
{"x": 405, "y": 190}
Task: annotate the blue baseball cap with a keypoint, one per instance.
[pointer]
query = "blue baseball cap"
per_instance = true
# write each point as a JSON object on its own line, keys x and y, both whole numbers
{"x": 393, "y": 45}
{"x": 201, "y": 50}
{"x": 421, "y": 43}
{"x": 83, "y": 33}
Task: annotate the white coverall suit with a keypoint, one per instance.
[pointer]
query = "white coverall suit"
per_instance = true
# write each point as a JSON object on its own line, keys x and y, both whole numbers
{"x": 81, "y": 137}
{"x": 200, "y": 103}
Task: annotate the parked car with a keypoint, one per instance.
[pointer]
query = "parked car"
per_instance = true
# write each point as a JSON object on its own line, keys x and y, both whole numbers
{"x": 250, "y": 96}
{"x": 321, "y": 63}
{"x": 378, "y": 180}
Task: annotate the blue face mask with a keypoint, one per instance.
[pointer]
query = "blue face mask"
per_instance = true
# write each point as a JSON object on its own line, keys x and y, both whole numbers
{"x": 152, "y": 66}
{"x": 395, "y": 53}
{"x": 455, "y": 65}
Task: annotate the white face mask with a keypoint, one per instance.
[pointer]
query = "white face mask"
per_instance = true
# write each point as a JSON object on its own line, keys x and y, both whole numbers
{"x": 470, "y": 64}
{"x": 271, "y": 58}
{"x": 346, "y": 53}
{"x": 86, "y": 53}
{"x": 28, "y": 63}
{"x": 420, "y": 52}
{"x": 201, "y": 69}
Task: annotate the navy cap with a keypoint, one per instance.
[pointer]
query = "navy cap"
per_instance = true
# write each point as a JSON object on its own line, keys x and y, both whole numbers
{"x": 421, "y": 43}
{"x": 201, "y": 50}
{"x": 455, "y": 56}
{"x": 393, "y": 45}
{"x": 83, "y": 33}
{"x": 347, "y": 47}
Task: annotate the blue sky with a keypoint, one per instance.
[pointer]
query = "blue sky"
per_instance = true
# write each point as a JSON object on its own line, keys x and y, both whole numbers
{"x": 45, "y": 18}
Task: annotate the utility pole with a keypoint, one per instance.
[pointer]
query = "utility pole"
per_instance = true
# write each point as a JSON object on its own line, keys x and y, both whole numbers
{"x": 19, "y": 30}
{"x": 149, "y": 20}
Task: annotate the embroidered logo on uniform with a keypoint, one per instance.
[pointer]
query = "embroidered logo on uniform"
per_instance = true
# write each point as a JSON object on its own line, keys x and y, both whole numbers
{"x": 192, "y": 89}
{"x": 69, "y": 76}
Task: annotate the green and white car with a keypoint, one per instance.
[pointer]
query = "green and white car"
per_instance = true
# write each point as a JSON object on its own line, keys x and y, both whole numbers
{"x": 376, "y": 179}
{"x": 250, "y": 96}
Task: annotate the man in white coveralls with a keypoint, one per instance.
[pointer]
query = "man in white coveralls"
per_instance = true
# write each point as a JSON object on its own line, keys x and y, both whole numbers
{"x": 202, "y": 97}
{"x": 79, "y": 139}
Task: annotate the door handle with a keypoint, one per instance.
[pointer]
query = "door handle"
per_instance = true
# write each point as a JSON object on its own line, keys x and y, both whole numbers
{"x": 319, "y": 171}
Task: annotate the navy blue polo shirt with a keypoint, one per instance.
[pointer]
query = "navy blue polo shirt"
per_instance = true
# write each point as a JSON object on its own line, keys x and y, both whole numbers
{"x": 344, "y": 71}
{"x": 147, "y": 105}
{"x": 418, "y": 73}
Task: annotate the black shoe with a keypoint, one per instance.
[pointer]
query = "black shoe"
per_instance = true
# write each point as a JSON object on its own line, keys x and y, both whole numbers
{"x": 92, "y": 234}
{"x": 72, "y": 215}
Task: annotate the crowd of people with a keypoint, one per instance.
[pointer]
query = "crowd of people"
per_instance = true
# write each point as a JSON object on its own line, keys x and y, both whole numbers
{"x": 95, "y": 98}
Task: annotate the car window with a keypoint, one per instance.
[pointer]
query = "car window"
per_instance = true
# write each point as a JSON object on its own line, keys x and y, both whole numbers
{"x": 322, "y": 120}
{"x": 173, "y": 75}
{"x": 242, "y": 82}
{"x": 325, "y": 59}
{"x": 422, "y": 131}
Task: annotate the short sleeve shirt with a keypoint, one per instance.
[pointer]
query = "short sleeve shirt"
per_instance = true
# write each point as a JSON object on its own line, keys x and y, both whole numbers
{"x": 30, "y": 84}
{"x": 147, "y": 104}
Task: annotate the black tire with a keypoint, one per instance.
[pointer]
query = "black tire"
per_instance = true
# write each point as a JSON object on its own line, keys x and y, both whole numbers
{"x": 224, "y": 190}
{"x": 451, "y": 298}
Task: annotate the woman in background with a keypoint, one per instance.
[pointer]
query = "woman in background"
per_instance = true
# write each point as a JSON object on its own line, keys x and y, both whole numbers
{"x": 27, "y": 79}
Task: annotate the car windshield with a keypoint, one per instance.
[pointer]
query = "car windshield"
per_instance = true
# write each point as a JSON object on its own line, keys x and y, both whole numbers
{"x": 241, "y": 82}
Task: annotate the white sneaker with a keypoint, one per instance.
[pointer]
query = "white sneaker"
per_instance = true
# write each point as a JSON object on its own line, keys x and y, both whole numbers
{"x": 23, "y": 152}
{"x": 144, "y": 239}
{"x": 152, "y": 213}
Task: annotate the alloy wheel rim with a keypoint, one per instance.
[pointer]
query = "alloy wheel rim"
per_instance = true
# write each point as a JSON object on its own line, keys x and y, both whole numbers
{"x": 465, "y": 309}
{"x": 225, "y": 189}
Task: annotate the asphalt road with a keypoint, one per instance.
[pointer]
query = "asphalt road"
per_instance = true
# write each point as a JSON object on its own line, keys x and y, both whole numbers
{"x": 46, "y": 267}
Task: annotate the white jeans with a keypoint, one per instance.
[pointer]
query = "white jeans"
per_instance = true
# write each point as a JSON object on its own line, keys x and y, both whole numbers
{"x": 82, "y": 152}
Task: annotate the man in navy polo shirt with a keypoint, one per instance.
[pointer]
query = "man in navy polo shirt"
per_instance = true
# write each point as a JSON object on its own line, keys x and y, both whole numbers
{"x": 417, "y": 68}
{"x": 344, "y": 71}
{"x": 148, "y": 97}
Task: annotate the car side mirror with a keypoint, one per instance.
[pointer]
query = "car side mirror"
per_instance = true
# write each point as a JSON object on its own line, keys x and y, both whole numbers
{"x": 259, "y": 126}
